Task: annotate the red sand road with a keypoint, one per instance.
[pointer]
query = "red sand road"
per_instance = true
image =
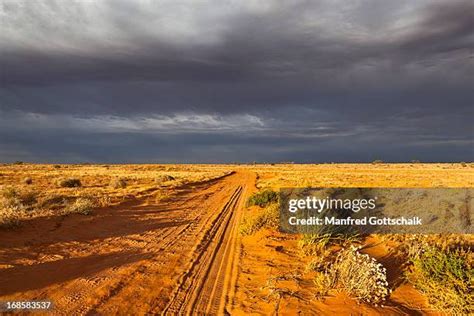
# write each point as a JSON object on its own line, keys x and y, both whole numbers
{"x": 141, "y": 257}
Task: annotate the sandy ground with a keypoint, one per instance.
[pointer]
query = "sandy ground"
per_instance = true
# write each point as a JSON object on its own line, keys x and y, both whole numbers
{"x": 183, "y": 254}
{"x": 136, "y": 258}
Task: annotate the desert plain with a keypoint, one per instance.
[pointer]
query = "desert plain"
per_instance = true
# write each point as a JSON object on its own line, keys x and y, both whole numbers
{"x": 186, "y": 239}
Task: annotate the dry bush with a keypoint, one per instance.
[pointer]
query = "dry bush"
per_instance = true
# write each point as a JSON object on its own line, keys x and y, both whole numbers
{"x": 69, "y": 183}
{"x": 13, "y": 206}
{"x": 266, "y": 218}
{"x": 360, "y": 275}
{"x": 27, "y": 180}
{"x": 165, "y": 178}
{"x": 446, "y": 277}
{"x": 118, "y": 183}
{"x": 81, "y": 205}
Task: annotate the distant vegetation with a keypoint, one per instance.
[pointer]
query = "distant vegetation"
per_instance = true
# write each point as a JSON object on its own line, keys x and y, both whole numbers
{"x": 377, "y": 161}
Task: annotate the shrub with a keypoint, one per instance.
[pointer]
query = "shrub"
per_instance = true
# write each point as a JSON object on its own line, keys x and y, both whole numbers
{"x": 118, "y": 183}
{"x": 28, "y": 198}
{"x": 82, "y": 206}
{"x": 360, "y": 275}
{"x": 11, "y": 207}
{"x": 263, "y": 198}
{"x": 267, "y": 218}
{"x": 57, "y": 167}
{"x": 69, "y": 183}
{"x": 13, "y": 198}
{"x": 28, "y": 180}
{"x": 165, "y": 178}
{"x": 445, "y": 277}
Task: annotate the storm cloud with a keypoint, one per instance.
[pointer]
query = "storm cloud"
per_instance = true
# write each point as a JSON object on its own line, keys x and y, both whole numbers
{"x": 218, "y": 81}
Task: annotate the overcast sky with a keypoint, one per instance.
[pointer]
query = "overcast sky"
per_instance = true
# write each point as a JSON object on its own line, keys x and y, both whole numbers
{"x": 225, "y": 81}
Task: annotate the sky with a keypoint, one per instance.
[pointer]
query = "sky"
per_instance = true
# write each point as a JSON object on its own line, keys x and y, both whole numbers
{"x": 205, "y": 81}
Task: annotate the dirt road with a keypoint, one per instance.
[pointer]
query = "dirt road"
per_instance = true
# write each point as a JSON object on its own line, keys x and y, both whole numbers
{"x": 177, "y": 256}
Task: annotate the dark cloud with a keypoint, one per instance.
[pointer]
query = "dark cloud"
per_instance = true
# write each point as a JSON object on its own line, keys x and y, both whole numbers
{"x": 298, "y": 75}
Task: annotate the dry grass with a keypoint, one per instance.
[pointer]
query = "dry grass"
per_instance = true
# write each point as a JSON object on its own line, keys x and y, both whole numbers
{"x": 268, "y": 217}
{"x": 49, "y": 190}
{"x": 118, "y": 183}
{"x": 82, "y": 206}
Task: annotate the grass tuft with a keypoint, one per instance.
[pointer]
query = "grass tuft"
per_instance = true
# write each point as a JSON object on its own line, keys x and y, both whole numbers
{"x": 266, "y": 218}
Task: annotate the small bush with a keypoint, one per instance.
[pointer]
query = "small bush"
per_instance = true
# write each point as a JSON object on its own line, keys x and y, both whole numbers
{"x": 263, "y": 198}
{"x": 165, "y": 178}
{"x": 267, "y": 218}
{"x": 446, "y": 278}
{"x": 28, "y": 198}
{"x": 11, "y": 207}
{"x": 27, "y": 180}
{"x": 69, "y": 183}
{"x": 57, "y": 167}
{"x": 82, "y": 206}
{"x": 118, "y": 183}
{"x": 360, "y": 275}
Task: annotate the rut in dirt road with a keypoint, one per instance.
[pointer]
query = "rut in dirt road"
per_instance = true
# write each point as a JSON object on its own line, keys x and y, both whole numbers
{"x": 176, "y": 257}
{"x": 203, "y": 288}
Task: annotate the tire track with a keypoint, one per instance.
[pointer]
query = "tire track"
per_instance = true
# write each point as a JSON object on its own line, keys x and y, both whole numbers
{"x": 202, "y": 287}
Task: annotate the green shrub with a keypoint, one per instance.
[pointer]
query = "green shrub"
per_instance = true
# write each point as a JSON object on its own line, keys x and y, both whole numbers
{"x": 263, "y": 198}
{"x": 69, "y": 183}
{"x": 266, "y": 218}
{"x": 446, "y": 278}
